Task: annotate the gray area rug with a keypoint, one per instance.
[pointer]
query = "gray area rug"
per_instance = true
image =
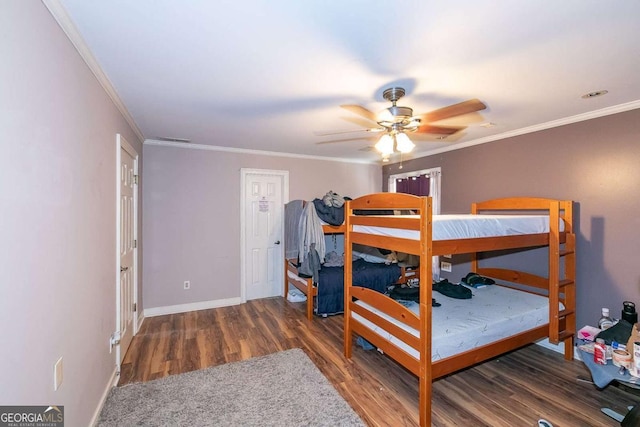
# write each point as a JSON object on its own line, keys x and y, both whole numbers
{"x": 281, "y": 389}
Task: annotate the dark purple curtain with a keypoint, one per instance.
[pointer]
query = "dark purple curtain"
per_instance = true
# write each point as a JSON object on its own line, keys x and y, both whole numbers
{"x": 416, "y": 185}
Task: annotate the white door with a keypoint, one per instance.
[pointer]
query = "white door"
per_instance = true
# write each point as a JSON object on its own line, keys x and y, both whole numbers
{"x": 127, "y": 247}
{"x": 264, "y": 195}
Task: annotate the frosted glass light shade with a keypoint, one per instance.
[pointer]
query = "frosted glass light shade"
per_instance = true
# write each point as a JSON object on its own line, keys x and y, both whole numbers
{"x": 385, "y": 145}
{"x": 403, "y": 143}
{"x": 412, "y": 125}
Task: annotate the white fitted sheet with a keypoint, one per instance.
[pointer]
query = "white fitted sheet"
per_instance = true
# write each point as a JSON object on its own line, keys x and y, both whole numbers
{"x": 467, "y": 226}
{"x": 494, "y": 312}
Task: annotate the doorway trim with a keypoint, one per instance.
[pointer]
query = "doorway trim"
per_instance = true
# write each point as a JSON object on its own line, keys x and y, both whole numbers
{"x": 244, "y": 173}
{"x": 123, "y": 144}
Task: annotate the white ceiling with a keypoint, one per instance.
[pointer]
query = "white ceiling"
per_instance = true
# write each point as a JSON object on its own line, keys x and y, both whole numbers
{"x": 268, "y": 75}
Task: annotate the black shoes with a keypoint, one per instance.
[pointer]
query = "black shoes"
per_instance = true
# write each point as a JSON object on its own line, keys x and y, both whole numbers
{"x": 475, "y": 280}
{"x": 452, "y": 290}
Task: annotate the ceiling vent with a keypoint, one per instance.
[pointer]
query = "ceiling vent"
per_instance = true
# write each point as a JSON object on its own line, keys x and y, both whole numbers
{"x": 171, "y": 139}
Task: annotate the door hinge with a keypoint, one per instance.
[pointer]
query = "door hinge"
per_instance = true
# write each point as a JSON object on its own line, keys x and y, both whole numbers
{"x": 135, "y": 179}
{"x": 135, "y": 307}
{"x": 135, "y": 243}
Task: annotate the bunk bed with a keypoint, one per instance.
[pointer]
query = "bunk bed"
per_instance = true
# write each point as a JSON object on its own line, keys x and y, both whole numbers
{"x": 292, "y": 276}
{"x": 328, "y": 292}
{"x": 406, "y": 335}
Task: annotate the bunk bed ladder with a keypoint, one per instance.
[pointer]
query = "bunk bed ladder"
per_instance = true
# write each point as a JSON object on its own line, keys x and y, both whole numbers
{"x": 562, "y": 277}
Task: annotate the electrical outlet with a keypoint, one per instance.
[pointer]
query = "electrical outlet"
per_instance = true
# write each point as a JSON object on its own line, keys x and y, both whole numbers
{"x": 187, "y": 284}
{"x": 57, "y": 374}
{"x": 445, "y": 266}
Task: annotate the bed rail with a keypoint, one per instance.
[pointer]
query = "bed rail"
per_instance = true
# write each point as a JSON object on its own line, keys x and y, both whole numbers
{"x": 385, "y": 304}
{"x": 305, "y": 285}
{"x": 519, "y": 204}
{"x": 383, "y": 201}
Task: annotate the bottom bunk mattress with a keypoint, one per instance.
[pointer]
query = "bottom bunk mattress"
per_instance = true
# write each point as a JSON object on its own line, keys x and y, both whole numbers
{"x": 376, "y": 276}
{"x": 493, "y": 313}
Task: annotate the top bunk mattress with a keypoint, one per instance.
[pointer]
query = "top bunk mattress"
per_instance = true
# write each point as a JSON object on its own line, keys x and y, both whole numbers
{"x": 468, "y": 226}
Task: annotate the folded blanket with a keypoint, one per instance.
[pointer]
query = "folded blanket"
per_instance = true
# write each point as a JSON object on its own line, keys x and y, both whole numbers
{"x": 620, "y": 332}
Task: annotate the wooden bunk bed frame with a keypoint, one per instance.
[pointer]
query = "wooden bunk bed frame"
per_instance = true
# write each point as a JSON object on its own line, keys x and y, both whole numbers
{"x": 305, "y": 284}
{"x": 561, "y": 244}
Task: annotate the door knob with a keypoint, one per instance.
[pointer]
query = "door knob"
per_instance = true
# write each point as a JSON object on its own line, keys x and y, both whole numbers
{"x": 123, "y": 269}
{"x": 277, "y": 242}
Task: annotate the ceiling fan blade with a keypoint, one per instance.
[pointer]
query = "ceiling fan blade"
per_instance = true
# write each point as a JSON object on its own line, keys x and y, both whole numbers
{"x": 361, "y": 111}
{"x": 459, "y": 109}
{"x": 439, "y": 130}
{"x": 372, "y": 130}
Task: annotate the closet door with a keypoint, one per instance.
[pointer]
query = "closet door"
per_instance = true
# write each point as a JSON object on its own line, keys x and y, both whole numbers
{"x": 264, "y": 199}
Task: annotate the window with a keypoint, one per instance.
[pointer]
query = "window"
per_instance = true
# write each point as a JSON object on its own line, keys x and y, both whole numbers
{"x": 417, "y": 183}
{"x": 424, "y": 182}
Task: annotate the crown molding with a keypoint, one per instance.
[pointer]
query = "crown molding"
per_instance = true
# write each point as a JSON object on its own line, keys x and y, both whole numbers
{"x": 191, "y": 146}
{"x": 517, "y": 132}
{"x": 621, "y": 108}
{"x": 64, "y": 20}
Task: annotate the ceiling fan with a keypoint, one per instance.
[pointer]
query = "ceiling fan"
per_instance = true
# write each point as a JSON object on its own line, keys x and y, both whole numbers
{"x": 396, "y": 121}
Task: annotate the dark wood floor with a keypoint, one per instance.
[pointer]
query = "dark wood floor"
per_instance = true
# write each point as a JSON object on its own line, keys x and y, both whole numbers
{"x": 514, "y": 390}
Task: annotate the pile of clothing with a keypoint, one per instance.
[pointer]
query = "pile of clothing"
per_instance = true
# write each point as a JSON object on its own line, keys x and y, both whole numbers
{"x": 451, "y": 290}
{"x": 304, "y": 236}
{"x": 330, "y": 208}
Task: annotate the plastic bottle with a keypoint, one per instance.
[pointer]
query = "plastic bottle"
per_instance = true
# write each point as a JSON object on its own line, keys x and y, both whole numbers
{"x": 605, "y": 321}
{"x": 629, "y": 312}
{"x": 600, "y": 352}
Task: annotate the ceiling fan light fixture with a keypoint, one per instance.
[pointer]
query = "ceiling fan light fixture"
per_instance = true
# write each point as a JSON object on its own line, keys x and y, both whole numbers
{"x": 385, "y": 116}
{"x": 397, "y": 121}
{"x": 403, "y": 143}
{"x": 385, "y": 145}
{"x": 412, "y": 125}
{"x": 398, "y": 112}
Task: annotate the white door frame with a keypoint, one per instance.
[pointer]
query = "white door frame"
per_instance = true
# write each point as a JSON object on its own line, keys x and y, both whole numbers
{"x": 244, "y": 173}
{"x": 123, "y": 144}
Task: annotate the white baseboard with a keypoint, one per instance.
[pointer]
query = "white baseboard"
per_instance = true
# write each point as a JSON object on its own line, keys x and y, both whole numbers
{"x": 112, "y": 383}
{"x": 195, "y": 306}
{"x": 140, "y": 321}
{"x": 559, "y": 348}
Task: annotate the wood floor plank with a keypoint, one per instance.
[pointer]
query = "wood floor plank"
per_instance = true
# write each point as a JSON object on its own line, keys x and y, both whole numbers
{"x": 513, "y": 390}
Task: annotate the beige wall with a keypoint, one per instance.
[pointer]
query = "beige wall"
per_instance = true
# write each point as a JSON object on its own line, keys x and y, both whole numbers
{"x": 192, "y": 215}
{"x": 58, "y": 216}
{"x": 58, "y": 189}
{"x": 595, "y": 163}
